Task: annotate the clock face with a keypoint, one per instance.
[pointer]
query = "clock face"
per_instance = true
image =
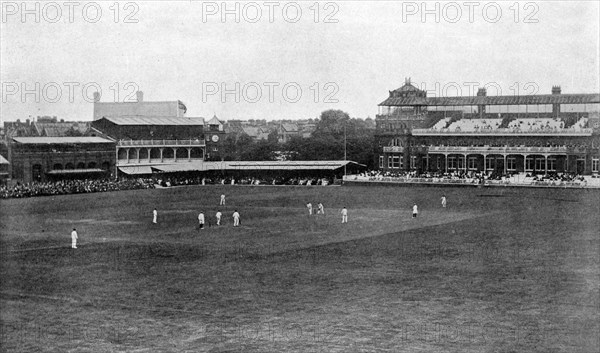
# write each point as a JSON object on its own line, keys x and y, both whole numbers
{"x": 215, "y": 138}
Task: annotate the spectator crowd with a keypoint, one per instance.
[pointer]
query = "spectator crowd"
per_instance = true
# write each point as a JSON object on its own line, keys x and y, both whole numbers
{"x": 72, "y": 187}
{"x": 472, "y": 177}
{"x": 64, "y": 187}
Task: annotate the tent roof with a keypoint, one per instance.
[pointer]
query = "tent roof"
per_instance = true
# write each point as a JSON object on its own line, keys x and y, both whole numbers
{"x": 240, "y": 165}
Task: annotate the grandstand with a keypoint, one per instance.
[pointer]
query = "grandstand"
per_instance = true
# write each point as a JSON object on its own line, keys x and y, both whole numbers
{"x": 494, "y": 135}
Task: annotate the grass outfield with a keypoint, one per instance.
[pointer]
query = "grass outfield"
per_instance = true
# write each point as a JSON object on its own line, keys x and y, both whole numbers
{"x": 499, "y": 270}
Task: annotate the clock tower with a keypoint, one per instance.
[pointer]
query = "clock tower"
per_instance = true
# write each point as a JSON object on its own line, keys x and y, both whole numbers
{"x": 214, "y": 134}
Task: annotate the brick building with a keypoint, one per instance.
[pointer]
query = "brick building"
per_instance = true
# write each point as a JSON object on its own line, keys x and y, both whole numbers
{"x": 50, "y": 158}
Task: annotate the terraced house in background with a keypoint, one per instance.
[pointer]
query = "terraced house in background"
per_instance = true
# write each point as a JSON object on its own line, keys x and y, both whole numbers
{"x": 536, "y": 134}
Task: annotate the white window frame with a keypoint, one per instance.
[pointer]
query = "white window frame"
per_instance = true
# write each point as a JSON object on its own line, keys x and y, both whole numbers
{"x": 529, "y": 164}
{"x": 511, "y": 164}
{"x": 381, "y": 162}
{"x": 396, "y": 162}
{"x": 472, "y": 163}
{"x": 540, "y": 164}
{"x": 461, "y": 163}
{"x": 595, "y": 165}
{"x": 451, "y": 163}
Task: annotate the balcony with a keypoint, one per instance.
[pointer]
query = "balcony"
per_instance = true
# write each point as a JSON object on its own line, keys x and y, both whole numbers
{"x": 496, "y": 132}
{"x": 161, "y": 143}
{"x": 497, "y": 150}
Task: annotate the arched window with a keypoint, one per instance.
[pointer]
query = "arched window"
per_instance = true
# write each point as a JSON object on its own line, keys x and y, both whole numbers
{"x": 57, "y": 166}
{"x": 92, "y": 165}
{"x": 105, "y": 166}
{"x": 69, "y": 166}
{"x": 80, "y": 165}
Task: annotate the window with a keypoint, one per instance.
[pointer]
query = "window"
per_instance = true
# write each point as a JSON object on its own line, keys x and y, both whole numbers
{"x": 552, "y": 164}
{"x": 390, "y": 162}
{"x": 595, "y": 165}
{"x": 529, "y": 163}
{"x": 461, "y": 162}
{"x": 472, "y": 163}
{"x": 540, "y": 164}
{"x": 413, "y": 162}
{"x": 380, "y": 161}
{"x": 490, "y": 163}
{"x": 396, "y": 162}
{"x": 511, "y": 164}
{"x": 451, "y": 162}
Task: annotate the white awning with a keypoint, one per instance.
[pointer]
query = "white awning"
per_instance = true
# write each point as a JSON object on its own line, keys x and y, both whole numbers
{"x": 135, "y": 169}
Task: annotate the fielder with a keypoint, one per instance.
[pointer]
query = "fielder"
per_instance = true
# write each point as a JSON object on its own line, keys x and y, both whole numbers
{"x": 344, "y": 215}
{"x": 415, "y": 211}
{"x": 201, "y": 220}
{"x": 218, "y": 215}
{"x": 444, "y": 201}
{"x": 222, "y": 203}
{"x": 309, "y": 206}
{"x": 154, "y": 216}
{"x": 74, "y": 239}
{"x": 236, "y": 218}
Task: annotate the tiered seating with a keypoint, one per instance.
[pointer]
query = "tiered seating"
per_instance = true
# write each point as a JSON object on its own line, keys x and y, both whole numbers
{"x": 475, "y": 124}
{"x": 536, "y": 124}
{"x": 580, "y": 124}
{"x": 441, "y": 124}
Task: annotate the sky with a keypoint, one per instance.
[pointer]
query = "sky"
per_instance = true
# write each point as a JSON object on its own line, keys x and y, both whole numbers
{"x": 287, "y": 60}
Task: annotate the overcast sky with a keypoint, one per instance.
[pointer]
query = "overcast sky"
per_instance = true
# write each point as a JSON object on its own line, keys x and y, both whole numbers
{"x": 288, "y": 60}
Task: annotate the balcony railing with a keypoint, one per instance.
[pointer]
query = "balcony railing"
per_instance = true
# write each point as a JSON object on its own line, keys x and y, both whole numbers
{"x": 140, "y": 143}
{"x": 500, "y": 150}
{"x": 512, "y": 132}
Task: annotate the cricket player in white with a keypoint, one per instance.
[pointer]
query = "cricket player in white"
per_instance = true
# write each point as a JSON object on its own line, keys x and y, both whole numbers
{"x": 320, "y": 209}
{"x": 236, "y": 218}
{"x": 154, "y": 216}
{"x": 222, "y": 203}
{"x": 444, "y": 201}
{"x": 218, "y": 215}
{"x": 309, "y": 206}
{"x": 201, "y": 220}
{"x": 74, "y": 239}
{"x": 344, "y": 215}
{"x": 415, "y": 211}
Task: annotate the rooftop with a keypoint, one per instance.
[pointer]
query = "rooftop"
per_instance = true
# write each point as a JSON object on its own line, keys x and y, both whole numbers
{"x": 494, "y": 100}
{"x": 61, "y": 140}
{"x": 154, "y": 120}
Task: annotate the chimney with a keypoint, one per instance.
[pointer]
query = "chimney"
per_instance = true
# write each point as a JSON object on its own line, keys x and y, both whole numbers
{"x": 555, "y": 89}
{"x": 481, "y": 92}
{"x": 28, "y": 121}
{"x": 140, "y": 96}
{"x": 96, "y": 97}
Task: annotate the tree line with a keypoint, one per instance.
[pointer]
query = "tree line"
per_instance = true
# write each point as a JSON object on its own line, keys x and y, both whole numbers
{"x": 336, "y": 136}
